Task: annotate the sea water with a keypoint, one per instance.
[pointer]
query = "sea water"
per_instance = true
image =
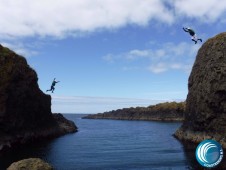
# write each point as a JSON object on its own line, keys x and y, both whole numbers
{"x": 110, "y": 145}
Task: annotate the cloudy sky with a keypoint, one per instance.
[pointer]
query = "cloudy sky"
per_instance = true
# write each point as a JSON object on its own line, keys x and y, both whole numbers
{"x": 110, "y": 54}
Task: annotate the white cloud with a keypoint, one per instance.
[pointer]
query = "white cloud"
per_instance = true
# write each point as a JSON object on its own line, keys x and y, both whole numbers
{"x": 141, "y": 53}
{"x": 158, "y": 68}
{"x": 163, "y": 67}
{"x": 137, "y": 54}
{"x": 59, "y": 18}
{"x": 87, "y": 104}
{"x": 159, "y": 59}
{"x": 207, "y": 11}
{"x": 109, "y": 58}
{"x": 20, "y": 49}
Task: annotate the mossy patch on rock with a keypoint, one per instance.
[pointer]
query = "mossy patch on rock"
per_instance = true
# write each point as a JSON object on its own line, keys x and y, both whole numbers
{"x": 30, "y": 164}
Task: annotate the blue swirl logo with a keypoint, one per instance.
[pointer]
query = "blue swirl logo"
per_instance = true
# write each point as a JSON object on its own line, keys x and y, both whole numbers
{"x": 209, "y": 153}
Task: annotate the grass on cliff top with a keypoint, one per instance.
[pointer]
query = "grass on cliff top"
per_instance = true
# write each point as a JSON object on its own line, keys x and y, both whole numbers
{"x": 169, "y": 105}
{"x": 158, "y": 107}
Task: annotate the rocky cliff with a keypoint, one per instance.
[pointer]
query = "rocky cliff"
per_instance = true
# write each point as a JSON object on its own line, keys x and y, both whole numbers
{"x": 161, "y": 112}
{"x": 205, "y": 116}
{"x": 25, "y": 111}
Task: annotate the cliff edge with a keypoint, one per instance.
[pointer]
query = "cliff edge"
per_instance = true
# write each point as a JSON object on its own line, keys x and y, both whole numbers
{"x": 205, "y": 116}
{"x": 25, "y": 111}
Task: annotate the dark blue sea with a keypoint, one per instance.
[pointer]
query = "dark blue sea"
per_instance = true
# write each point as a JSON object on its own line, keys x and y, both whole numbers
{"x": 110, "y": 145}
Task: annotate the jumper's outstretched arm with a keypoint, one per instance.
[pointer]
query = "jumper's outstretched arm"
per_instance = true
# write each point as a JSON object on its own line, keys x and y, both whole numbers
{"x": 185, "y": 29}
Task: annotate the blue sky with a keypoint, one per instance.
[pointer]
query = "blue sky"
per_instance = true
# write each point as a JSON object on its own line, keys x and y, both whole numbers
{"x": 110, "y": 54}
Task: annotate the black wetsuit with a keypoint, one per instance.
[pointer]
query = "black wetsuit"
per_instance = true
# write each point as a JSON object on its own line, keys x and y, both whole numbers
{"x": 52, "y": 86}
{"x": 190, "y": 31}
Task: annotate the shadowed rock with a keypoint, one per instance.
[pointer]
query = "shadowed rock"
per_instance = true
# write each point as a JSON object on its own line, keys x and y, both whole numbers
{"x": 25, "y": 111}
{"x": 205, "y": 116}
{"x": 22, "y": 104}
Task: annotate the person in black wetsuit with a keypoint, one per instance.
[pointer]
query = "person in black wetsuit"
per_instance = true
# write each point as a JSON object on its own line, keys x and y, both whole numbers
{"x": 193, "y": 35}
{"x": 53, "y": 84}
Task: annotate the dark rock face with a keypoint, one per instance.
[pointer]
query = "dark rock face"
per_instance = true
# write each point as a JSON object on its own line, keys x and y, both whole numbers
{"x": 21, "y": 100}
{"x": 25, "y": 111}
{"x": 161, "y": 112}
{"x": 205, "y": 116}
{"x": 65, "y": 126}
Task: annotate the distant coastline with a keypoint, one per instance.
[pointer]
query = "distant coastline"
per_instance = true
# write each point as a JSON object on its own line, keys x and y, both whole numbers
{"x": 168, "y": 111}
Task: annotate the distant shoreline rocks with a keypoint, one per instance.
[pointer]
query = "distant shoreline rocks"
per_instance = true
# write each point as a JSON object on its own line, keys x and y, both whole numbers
{"x": 169, "y": 111}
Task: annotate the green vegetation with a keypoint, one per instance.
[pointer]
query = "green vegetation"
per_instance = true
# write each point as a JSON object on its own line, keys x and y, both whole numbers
{"x": 5, "y": 51}
{"x": 169, "y": 106}
{"x": 169, "y": 111}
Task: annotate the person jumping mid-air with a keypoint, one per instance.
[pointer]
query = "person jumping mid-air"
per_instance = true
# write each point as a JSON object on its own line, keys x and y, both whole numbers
{"x": 53, "y": 84}
{"x": 193, "y": 35}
